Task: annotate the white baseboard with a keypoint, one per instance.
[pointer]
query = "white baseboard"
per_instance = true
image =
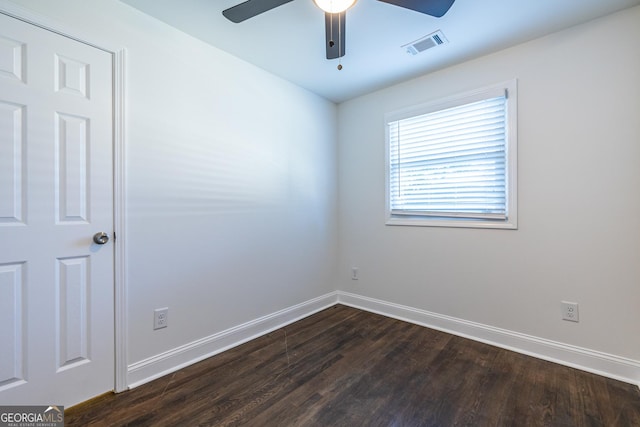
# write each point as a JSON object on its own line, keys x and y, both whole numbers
{"x": 170, "y": 361}
{"x": 607, "y": 365}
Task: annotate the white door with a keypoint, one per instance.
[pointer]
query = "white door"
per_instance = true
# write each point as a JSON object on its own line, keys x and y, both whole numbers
{"x": 56, "y": 192}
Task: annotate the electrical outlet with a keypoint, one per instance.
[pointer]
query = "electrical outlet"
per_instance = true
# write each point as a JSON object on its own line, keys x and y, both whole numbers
{"x": 569, "y": 311}
{"x": 354, "y": 273}
{"x": 160, "y": 318}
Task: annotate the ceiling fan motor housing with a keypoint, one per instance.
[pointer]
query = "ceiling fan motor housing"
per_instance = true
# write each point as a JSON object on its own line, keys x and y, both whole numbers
{"x": 335, "y": 15}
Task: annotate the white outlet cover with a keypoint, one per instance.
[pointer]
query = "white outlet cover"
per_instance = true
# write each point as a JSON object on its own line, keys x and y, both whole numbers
{"x": 569, "y": 311}
{"x": 160, "y": 318}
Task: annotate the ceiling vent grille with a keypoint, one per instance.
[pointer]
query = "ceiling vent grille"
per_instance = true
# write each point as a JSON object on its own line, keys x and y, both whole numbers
{"x": 427, "y": 42}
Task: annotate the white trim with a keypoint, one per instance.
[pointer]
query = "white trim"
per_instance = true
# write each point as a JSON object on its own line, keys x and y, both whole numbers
{"x": 607, "y": 365}
{"x": 45, "y": 22}
{"x": 119, "y": 223}
{"x": 119, "y": 100}
{"x": 508, "y": 88}
{"x": 604, "y": 364}
{"x": 432, "y": 221}
{"x": 170, "y": 361}
{"x": 452, "y": 101}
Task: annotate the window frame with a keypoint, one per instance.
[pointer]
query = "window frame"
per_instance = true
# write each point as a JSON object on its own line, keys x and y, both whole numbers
{"x": 511, "y": 158}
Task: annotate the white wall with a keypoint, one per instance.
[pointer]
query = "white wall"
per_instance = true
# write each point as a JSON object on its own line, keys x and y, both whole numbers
{"x": 231, "y": 189}
{"x": 231, "y": 181}
{"x": 579, "y": 205}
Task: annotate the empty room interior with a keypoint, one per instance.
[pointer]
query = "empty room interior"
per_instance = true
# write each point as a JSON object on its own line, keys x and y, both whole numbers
{"x": 244, "y": 212}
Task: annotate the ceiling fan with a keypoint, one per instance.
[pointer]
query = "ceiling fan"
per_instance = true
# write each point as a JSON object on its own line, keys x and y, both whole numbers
{"x": 334, "y": 16}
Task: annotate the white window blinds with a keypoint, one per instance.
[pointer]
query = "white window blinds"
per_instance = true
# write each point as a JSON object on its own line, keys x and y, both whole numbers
{"x": 451, "y": 162}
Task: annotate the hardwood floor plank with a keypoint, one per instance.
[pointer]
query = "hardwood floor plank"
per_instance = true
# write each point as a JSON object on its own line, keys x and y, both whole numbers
{"x": 347, "y": 367}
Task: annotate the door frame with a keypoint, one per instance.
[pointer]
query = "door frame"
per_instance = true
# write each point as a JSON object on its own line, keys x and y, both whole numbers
{"x": 118, "y": 61}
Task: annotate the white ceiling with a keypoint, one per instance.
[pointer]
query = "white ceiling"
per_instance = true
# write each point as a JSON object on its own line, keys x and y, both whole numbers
{"x": 289, "y": 40}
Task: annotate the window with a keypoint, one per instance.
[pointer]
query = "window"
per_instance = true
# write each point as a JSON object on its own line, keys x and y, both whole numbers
{"x": 453, "y": 162}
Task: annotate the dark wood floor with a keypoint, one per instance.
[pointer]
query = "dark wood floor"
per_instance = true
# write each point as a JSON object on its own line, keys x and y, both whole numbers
{"x": 346, "y": 367}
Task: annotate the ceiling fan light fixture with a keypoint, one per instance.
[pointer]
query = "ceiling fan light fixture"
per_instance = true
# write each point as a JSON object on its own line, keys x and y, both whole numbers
{"x": 334, "y": 6}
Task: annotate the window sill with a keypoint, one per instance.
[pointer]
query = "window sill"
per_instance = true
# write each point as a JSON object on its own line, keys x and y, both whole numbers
{"x": 416, "y": 221}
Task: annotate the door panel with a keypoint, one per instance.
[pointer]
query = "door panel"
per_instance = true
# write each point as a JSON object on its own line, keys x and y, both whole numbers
{"x": 56, "y": 192}
{"x": 11, "y": 163}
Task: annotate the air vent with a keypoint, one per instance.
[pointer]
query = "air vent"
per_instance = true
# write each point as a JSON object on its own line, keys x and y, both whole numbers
{"x": 427, "y": 42}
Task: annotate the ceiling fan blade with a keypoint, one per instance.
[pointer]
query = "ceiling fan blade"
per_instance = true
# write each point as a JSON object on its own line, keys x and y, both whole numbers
{"x": 251, "y": 8}
{"x": 334, "y": 24}
{"x": 435, "y": 8}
